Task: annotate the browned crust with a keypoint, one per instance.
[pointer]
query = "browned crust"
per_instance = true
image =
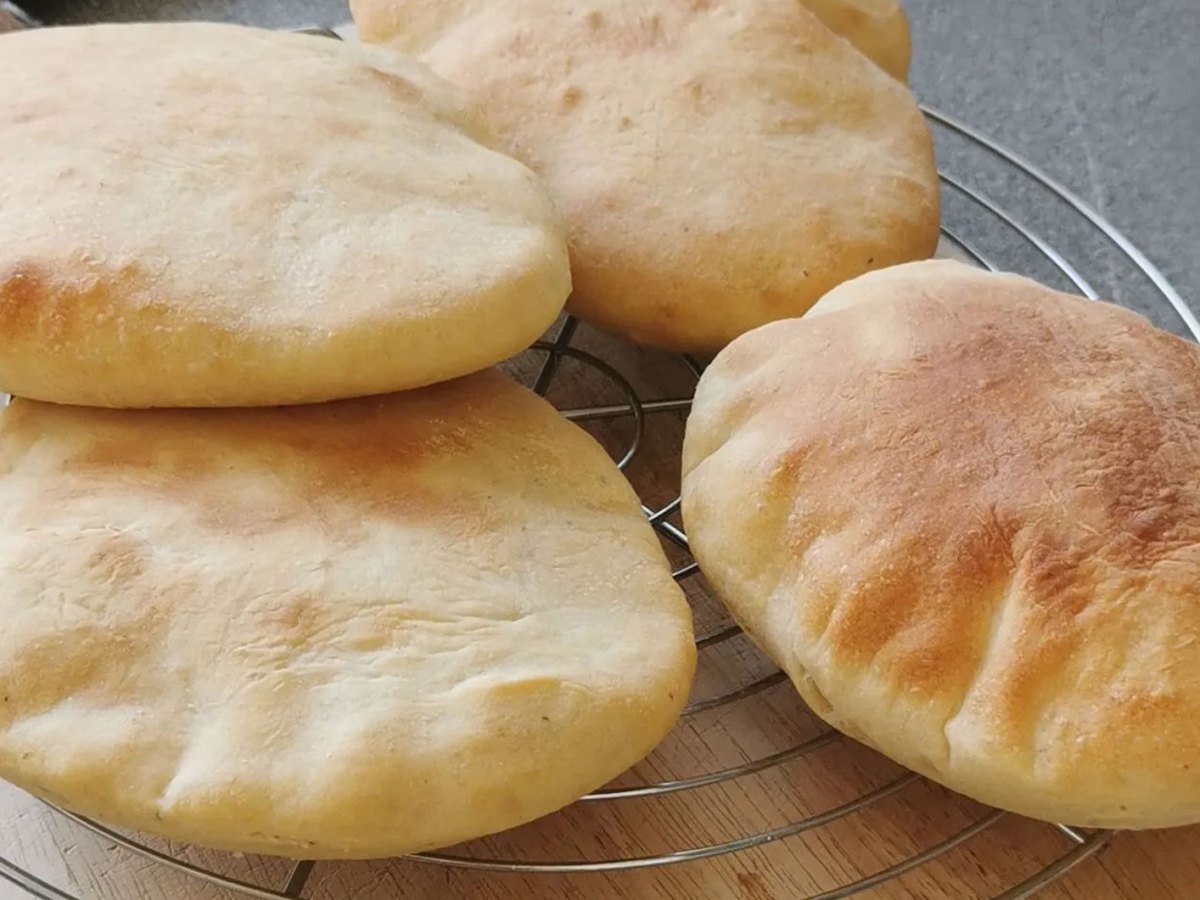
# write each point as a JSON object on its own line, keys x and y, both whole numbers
{"x": 967, "y": 508}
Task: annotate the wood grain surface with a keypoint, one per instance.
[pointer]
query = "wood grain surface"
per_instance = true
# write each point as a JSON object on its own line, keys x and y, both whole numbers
{"x": 914, "y": 817}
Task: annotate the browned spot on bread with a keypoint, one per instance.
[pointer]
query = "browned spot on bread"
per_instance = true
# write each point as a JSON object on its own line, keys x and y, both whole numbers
{"x": 968, "y": 507}
{"x": 627, "y": 35}
{"x": 571, "y": 97}
{"x": 23, "y": 294}
{"x": 73, "y": 301}
{"x": 262, "y": 476}
{"x": 113, "y": 454}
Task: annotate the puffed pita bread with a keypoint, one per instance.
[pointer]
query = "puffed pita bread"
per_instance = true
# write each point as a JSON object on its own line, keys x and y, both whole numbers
{"x": 877, "y": 28}
{"x": 344, "y": 630}
{"x": 963, "y": 513}
{"x": 211, "y": 215}
{"x": 718, "y": 164}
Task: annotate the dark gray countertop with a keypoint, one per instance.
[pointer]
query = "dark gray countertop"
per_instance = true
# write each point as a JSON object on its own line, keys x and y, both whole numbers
{"x": 1103, "y": 94}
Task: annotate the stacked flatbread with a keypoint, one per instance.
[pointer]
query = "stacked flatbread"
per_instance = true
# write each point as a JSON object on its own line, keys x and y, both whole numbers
{"x": 355, "y": 628}
{"x": 351, "y": 629}
{"x": 719, "y": 164}
{"x": 206, "y": 215}
{"x": 962, "y": 512}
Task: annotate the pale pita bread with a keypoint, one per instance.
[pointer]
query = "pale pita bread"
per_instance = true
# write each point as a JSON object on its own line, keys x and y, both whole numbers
{"x": 210, "y": 215}
{"x": 963, "y": 513}
{"x": 342, "y": 630}
{"x": 719, "y": 164}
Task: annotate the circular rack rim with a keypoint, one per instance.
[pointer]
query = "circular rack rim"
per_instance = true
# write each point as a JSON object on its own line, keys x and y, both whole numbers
{"x": 1085, "y": 844}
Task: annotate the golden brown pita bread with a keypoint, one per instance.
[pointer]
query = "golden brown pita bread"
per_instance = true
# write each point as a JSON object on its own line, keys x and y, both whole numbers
{"x": 210, "y": 215}
{"x": 352, "y": 629}
{"x": 963, "y": 514}
{"x": 719, "y": 164}
{"x": 877, "y": 28}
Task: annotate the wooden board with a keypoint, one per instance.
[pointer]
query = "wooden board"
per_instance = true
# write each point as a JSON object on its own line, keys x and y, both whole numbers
{"x": 1161, "y": 865}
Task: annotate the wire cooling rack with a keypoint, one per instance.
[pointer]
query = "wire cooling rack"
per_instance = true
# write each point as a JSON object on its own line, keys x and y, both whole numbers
{"x": 978, "y": 228}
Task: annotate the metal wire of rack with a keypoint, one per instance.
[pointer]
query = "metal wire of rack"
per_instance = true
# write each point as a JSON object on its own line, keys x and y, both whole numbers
{"x": 642, "y": 412}
{"x": 13, "y": 17}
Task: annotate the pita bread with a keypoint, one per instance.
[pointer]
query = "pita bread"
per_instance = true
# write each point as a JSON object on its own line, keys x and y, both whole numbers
{"x": 718, "y": 164}
{"x": 877, "y": 28}
{"x": 344, "y": 630}
{"x": 963, "y": 514}
{"x": 211, "y": 215}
